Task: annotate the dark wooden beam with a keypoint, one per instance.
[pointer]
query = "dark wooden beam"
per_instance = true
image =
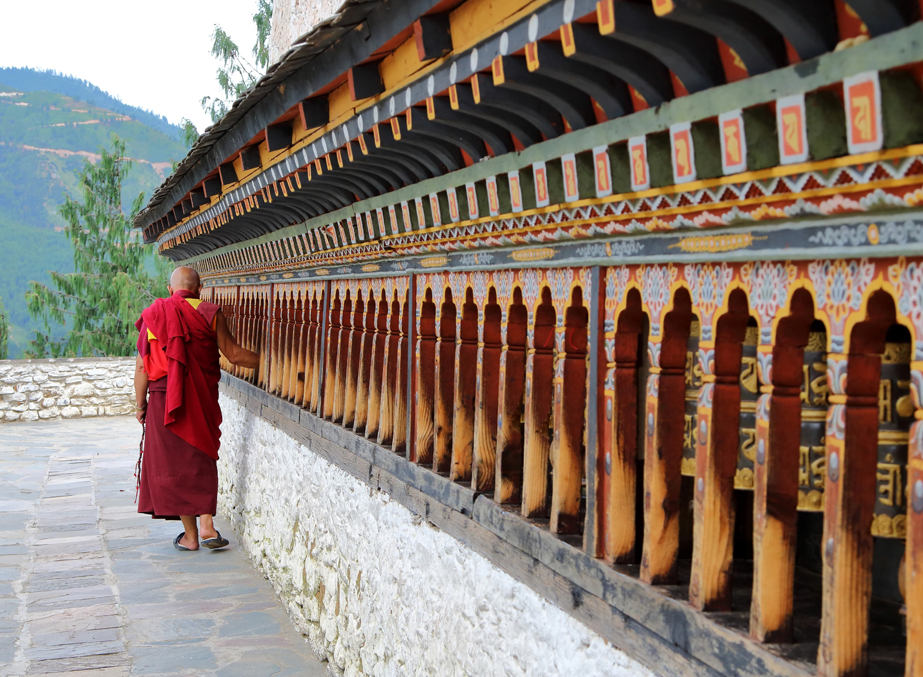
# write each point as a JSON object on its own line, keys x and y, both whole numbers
{"x": 178, "y": 213}
{"x": 212, "y": 186}
{"x": 186, "y": 206}
{"x": 250, "y": 158}
{"x": 691, "y": 54}
{"x": 884, "y": 16}
{"x": 315, "y": 112}
{"x": 649, "y": 77}
{"x": 758, "y": 44}
{"x": 365, "y": 81}
{"x": 569, "y": 101}
{"x": 227, "y": 173}
{"x": 279, "y": 137}
{"x": 171, "y": 218}
{"x": 197, "y": 196}
{"x": 810, "y": 27}
{"x": 433, "y": 36}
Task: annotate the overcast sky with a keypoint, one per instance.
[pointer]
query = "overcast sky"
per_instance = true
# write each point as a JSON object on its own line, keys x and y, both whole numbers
{"x": 153, "y": 55}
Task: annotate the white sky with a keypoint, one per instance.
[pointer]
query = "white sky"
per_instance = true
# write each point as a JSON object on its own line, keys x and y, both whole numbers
{"x": 153, "y": 54}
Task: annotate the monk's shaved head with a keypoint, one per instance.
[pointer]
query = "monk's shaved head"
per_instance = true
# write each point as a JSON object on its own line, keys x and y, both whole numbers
{"x": 185, "y": 278}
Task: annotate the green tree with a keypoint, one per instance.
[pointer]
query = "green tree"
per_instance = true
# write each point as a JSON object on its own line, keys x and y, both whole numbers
{"x": 113, "y": 281}
{"x": 4, "y": 333}
{"x": 236, "y": 74}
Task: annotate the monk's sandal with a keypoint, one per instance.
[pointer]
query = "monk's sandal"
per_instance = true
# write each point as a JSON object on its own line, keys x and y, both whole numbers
{"x": 178, "y": 545}
{"x": 216, "y": 542}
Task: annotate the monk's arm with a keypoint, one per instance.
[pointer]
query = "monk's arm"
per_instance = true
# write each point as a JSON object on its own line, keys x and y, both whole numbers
{"x": 140, "y": 389}
{"x": 235, "y": 353}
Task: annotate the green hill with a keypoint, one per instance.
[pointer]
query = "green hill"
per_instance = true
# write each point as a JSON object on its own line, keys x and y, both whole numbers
{"x": 44, "y": 139}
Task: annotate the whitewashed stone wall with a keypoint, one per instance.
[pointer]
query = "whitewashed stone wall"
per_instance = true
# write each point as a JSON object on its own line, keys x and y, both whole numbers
{"x": 377, "y": 590}
{"x": 66, "y": 388}
{"x": 293, "y": 18}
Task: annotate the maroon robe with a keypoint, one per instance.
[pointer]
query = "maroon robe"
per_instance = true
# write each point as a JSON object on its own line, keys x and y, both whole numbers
{"x": 179, "y": 475}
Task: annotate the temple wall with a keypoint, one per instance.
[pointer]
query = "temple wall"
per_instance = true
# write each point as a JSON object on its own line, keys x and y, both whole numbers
{"x": 377, "y": 589}
{"x": 66, "y": 388}
{"x": 293, "y": 18}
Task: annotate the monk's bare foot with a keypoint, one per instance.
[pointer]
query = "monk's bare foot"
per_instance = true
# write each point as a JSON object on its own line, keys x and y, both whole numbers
{"x": 207, "y": 529}
{"x": 189, "y": 543}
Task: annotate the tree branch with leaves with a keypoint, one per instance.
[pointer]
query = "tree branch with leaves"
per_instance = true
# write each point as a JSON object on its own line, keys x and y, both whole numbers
{"x": 113, "y": 280}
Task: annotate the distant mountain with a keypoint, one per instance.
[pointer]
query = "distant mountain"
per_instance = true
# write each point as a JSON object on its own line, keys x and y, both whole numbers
{"x": 44, "y": 139}
{"x": 32, "y": 80}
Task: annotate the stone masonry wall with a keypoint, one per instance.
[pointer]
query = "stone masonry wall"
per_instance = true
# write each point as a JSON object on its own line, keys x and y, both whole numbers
{"x": 293, "y": 18}
{"x": 376, "y": 589}
{"x": 66, "y": 388}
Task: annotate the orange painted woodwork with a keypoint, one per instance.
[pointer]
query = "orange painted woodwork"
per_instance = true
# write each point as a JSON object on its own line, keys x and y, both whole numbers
{"x": 486, "y": 400}
{"x": 426, "y": 385}
{"x": 717, "y": 424}
{"x": 466, "y": 353}
{"x": 445, "y": 385}
{"x": 511, "y": 406}
{"x": 539, "y": 408}
{"x": 664, "y": 423}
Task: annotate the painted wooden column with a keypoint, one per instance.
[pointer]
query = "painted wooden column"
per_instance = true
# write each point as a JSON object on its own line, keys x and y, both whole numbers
{"x": 445, "y": 383}
{"x": 389, "y": 367}
{"x": 401, "y": 376}
{"x": 570, "y": 387}
{"x": 511, "y": 396}
{"x": 376, "y": 369}
{"x": 849, "y": 491}
{"x": 616, "y": 464}
{"x": 487, "y": 386}
{"x": 354, "y": 342}
{"x": 425, "y": 354}
{"x": 717, "y": 438}
{"x": 276, "y": 312}
{"x": 539, "y": 407}
{"x": 363, "y": 388}
{"x": 312, "y": 359}
{"x": 778, "y": 448}
{"x": 262, "y": 336}
{"x": 342, "y": 348}
{"x": 331, "y": 348}
{"x": 663, "y": 426}
{"x": 296, "y": 377}
{"x": 466, "y": 351}
{"x": 287, "y": 340}
{"x": 913, "y": 558}
{"x": 249, "y": 333}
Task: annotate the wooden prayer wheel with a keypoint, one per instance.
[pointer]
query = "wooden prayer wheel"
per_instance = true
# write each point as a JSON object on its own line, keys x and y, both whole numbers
{"x": 749, "y": 394}
{"x": 812, "y": 458}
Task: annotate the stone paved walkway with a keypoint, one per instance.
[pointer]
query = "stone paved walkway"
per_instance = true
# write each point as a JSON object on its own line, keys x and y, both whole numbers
{"x": 89, "y": 587}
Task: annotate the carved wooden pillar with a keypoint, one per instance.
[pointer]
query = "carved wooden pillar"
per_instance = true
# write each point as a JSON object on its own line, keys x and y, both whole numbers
{"x": 849, "y": 495}
{"x": 487, "y": 393}
{"x": 342, "y": 361}
{"x": 376, "y": 369}
{"x": 288, "y": 340}
{"x": 913, "y": 559}
{"x": 445, "y": 384}
{"x": 717, "y": 447}
{"x": 261, "y": 342}
{"x": 663, "y": 448}
{"x": 296, "y": 375}
{"x": 775, "y": 499}
{"x": 617, "y": 465}
{"x": 363, "y": 388}
{"x": 401, "y": 381}
{"x": 354, "y": 342}
{"x": 511, "y": 402}
{"x": 331, "y": 348}
{"x": 389, "y": 372}
{"x": 276, "y": 313}
{"x": 466, "y": 353}
{"x": 312, "y": 363}
{"x": 539, "y": 408}
{"x": 425, "y": 353}
{"x": 570, "y": 385}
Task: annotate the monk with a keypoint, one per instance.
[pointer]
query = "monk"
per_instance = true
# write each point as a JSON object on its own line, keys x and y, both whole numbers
{"x": 176, "y": 394}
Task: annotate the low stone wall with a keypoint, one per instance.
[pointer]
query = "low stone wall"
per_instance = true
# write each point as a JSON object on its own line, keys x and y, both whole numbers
{"x": 66, "y": 388}
{"x": 376, "y": 588}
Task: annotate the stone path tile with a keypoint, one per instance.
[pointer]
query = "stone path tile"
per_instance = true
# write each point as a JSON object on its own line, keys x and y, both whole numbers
{"x": 89, "y": 587}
